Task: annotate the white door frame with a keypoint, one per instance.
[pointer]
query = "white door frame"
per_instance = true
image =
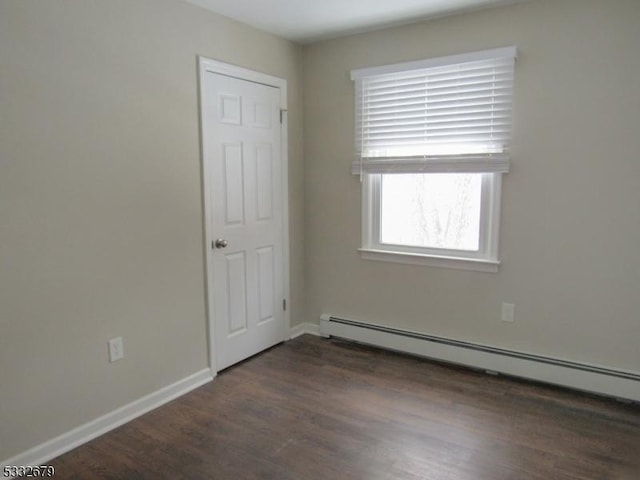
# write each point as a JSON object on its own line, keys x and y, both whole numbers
{"x": 207, "y": 65}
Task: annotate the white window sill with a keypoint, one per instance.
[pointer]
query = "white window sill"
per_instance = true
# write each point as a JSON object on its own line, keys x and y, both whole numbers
{"x": 459, "y": 263}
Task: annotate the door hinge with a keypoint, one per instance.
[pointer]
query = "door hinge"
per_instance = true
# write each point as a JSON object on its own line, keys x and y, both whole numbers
{"x": 282, "y": 114}
{"x": 284, "y": 304}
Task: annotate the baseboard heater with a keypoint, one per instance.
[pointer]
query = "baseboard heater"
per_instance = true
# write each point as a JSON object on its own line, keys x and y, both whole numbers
{"x": 622, "y": 385}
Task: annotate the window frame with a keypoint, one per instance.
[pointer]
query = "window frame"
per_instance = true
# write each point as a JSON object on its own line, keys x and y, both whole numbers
{"x": 485, "y": 259}
{"x": 491, "y": 164}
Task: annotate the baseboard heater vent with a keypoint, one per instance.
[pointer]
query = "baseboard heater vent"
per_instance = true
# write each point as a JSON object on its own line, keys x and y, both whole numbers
{"x": 620, "y": 384}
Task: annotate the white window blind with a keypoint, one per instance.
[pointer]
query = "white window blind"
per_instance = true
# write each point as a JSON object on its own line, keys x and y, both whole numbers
{"x": 448, "y": 114}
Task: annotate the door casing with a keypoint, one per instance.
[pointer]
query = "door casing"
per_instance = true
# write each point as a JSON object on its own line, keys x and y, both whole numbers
{"x": 207, "y": 65}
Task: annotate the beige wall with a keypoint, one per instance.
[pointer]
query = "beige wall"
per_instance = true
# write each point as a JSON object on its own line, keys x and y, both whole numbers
{"x": 571, "y": 204}
{"x": 100, "y": 201}
{"x": 100, "y": 195}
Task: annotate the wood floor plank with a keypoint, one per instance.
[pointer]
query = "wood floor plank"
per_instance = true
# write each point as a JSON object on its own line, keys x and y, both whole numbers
{"x": 322, "y": 409}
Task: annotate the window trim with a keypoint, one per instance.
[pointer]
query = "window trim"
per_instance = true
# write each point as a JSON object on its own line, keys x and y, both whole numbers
{"x": 484, "y": 260}
{"x": 370, "y": 165}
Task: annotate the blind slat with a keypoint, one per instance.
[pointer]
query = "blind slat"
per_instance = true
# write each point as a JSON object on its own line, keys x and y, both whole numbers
{"x": 459, "y": 128}
{"x": 471, "y": 107}
{"x": 435, "y": 105}
{"x": 444, "y": 98}
{"x": 407, "y": 121}
{"x": 453, "y": 164}
{"x": 419, "y": 84}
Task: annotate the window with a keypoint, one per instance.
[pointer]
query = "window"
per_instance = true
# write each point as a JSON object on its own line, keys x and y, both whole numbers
{"x": 433, "y": 142}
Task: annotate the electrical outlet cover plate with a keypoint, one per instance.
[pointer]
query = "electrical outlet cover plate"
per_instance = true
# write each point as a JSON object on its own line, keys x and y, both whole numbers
{"x": 116, "y": 349}
{"x": 508, "y": 310}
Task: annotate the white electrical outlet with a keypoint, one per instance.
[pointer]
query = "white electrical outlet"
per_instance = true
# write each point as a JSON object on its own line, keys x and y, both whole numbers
{"x": 116, "y": 349}
{"x": 508, "y": 310}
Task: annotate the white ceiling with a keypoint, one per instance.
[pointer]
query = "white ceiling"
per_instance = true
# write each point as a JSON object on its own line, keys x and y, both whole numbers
{"x": 305, "y": 21}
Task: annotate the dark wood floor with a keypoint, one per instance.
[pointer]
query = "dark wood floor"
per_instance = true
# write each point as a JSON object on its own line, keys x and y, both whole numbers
{"x": 324, "y": 409}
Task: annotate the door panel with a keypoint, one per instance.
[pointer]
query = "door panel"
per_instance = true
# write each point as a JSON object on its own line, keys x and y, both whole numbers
{"x": 232, "y": 165}
{"x": 241, "y": 131}
{"x": 236, "y": 277}
{"x": 265, "y": 284}
{"x": 264, "y": 167}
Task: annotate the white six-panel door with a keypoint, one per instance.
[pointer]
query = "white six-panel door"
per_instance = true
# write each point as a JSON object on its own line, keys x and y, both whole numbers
{"x": 242, "y": 152}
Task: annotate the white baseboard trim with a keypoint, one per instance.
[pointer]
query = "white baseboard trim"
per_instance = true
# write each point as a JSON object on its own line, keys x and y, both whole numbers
{"x": 304, "y": 328}
{"x": 55, "y": 447}
{"x": 624, "y": 385}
